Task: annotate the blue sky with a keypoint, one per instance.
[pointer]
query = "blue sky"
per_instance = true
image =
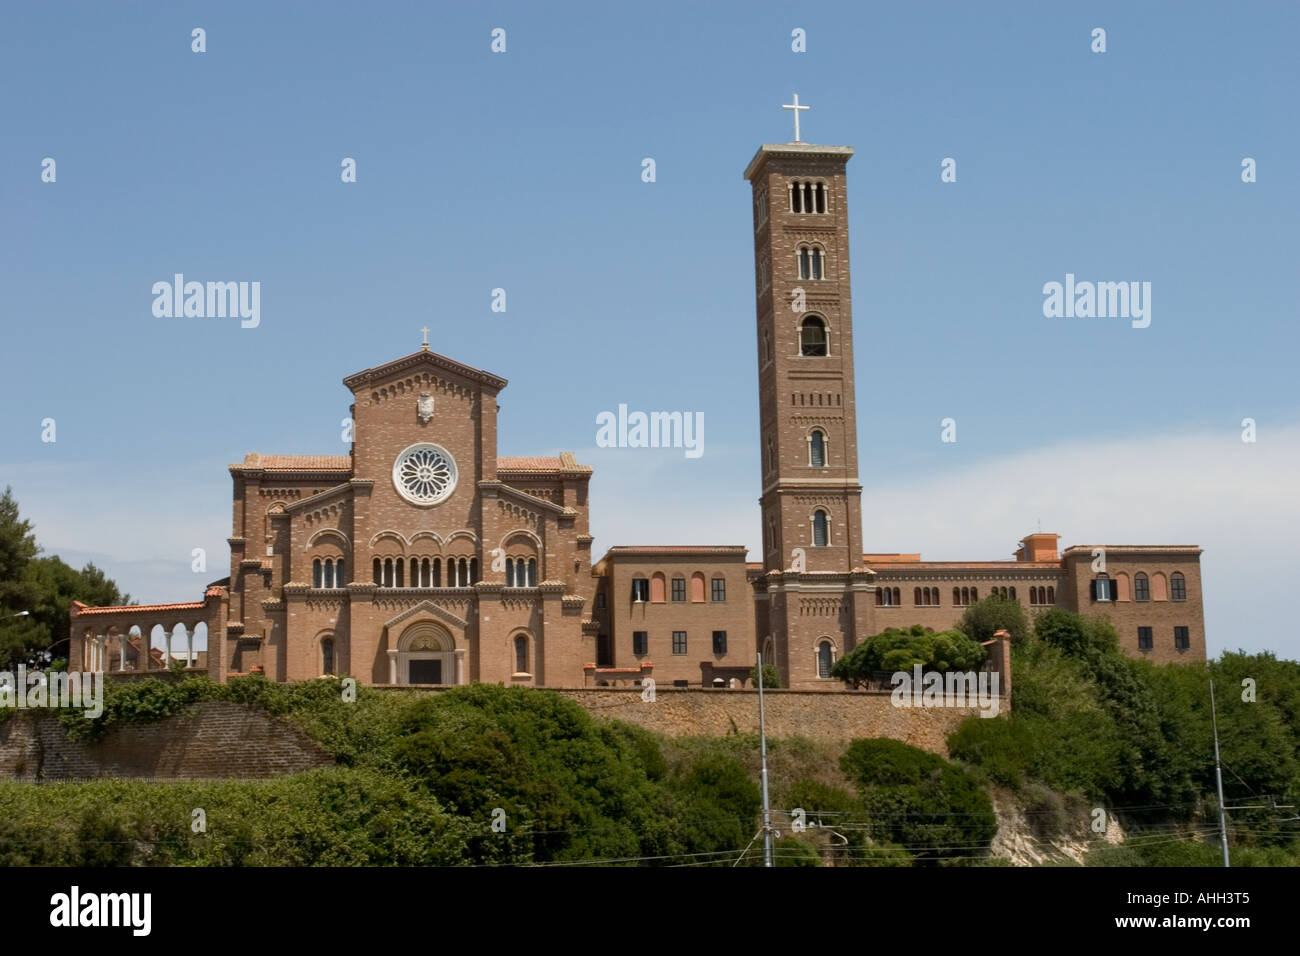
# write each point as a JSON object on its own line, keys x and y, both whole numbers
{"x": 522, "y": 171}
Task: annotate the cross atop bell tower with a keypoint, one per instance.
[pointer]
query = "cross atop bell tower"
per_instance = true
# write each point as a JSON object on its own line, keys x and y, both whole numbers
{"x": 797, "y": 109}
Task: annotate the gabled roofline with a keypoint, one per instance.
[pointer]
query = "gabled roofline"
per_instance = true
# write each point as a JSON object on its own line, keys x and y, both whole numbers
{"x": 424, "y": 357}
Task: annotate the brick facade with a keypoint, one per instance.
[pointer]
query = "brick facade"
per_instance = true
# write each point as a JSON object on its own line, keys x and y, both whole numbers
{"x": 383, "y": 564}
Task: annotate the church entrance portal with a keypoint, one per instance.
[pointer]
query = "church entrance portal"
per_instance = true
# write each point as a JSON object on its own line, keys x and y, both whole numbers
{"x": 425, "y": 672}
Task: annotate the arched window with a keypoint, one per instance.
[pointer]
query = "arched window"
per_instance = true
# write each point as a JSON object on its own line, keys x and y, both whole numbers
{"x": 510, "y": 572}
{"x": 1141, "y": 587}
{"x": 379, "y": 572}
{"x": 426, "y": 574}
{"x": 340, "y": 580}
{"x": 316, "y": 578}
{"x": 532, "y": 572}
{"x": 327, "y": 656}
{"x": 388, "y": 572}
{"x": 817, "y": 449}
{"x": 1177, "y": 587}
{"x": 1102, "y": 588}
{"x": 1051, "y": 595}
{"x": 437, "y": 572}
{"x": 398, "y": 566}
{"x": 916, "y": 597}
{"x": 811, "y": 262}
{"x": 825, "y": 657}
{"x": 521, "y": 654}
{"x": 473, "y": 570}
{"x": 329, "y": 572}
{"x": 807, "y": 197}
{"x": 1013, "y": 594}
{"x": 812, "y": 336}
{"x": 821, "y": 532}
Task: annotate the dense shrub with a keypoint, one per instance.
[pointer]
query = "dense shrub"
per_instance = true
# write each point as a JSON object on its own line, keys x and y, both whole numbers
{"x": 901, "y": 649}
{"x": 918, "y": 800}
{"x": 991, "y": 614}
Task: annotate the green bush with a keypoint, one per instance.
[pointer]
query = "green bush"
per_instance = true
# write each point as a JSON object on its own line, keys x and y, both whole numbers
{"x": 901, "y": 649}
{"x": 991, "y": 614}
{"x": 918, "y": 800}
{"x": 790, "y": 851}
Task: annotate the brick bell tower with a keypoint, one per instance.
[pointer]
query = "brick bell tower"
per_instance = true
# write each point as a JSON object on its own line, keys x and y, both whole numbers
{"x": 813, "y": 598}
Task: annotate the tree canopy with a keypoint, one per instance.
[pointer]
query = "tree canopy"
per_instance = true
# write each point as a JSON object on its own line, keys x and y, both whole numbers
{"x": 42, "y": 585}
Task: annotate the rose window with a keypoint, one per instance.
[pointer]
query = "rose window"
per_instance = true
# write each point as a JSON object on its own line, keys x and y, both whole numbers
{"x": 425, "y": 474}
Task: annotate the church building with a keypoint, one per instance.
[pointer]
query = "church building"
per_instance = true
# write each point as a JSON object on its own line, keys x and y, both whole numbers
{"x": 424, "y": 557}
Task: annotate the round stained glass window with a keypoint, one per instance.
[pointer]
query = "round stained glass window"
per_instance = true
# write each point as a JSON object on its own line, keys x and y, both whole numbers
{"x": 425, "y": 474}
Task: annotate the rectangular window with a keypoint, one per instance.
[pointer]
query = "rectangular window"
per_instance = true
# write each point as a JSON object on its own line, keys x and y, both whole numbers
{"x": 640, "y": 643}
{"x": 719, "y": 642}
{"x": 1182, "y": 638}
{"x": 600, "y": 595}
{"x": 679, "y": 589}
{"x": 640, "y": 589}
{"x": 1103, "y": 589}
{"x": 719, "y": 589}
{"x": 1144, "y": 639}
{"x": 1178, "y": 588}
{"x": 679, "y": 642}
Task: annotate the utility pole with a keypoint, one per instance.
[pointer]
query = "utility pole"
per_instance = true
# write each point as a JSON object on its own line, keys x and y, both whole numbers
{"x": 762, "y": 750}
{"x": 1218, "y": 778}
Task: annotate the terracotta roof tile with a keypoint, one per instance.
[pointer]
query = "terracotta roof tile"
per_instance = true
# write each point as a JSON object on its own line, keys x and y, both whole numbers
{"x": 139, "y": 608}
{"x": 529, "y": 463}
{"x": 297, "y": 462}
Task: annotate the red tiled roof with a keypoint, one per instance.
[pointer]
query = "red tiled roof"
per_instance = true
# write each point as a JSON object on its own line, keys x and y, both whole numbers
{"x": 297, "y": 462}
{"x": 527, "y": 463}
{"x": 679, "y": 549}
{"x": 138, "y": 608}
{"x": 564, "y": 462}
{"x": 997, "y": 565}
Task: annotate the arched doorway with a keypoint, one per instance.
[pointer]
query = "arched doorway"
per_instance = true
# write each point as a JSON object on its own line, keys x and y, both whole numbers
{"x": 426, "y": 654}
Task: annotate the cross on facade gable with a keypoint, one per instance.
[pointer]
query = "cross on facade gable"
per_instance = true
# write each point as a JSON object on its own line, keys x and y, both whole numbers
{"x": 425, "y": 343}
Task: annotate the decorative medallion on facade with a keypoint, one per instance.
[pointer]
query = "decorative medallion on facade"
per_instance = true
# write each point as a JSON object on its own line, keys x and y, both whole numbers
{"x": 424, "y": 408}
{"x": 425, "y": 474}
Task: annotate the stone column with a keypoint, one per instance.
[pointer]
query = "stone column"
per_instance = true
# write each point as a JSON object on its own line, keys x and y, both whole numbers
{"x": 460, "y": 665}
{"x": 392, "y": 666}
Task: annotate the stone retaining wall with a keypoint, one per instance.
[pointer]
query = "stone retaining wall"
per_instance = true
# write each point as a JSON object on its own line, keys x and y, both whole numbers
{"x": 210, "y": 740}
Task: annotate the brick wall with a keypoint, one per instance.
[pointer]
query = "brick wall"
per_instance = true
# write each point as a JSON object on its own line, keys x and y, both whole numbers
{"x": 211, "y": 740}
{"x": 820, "y": 715}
